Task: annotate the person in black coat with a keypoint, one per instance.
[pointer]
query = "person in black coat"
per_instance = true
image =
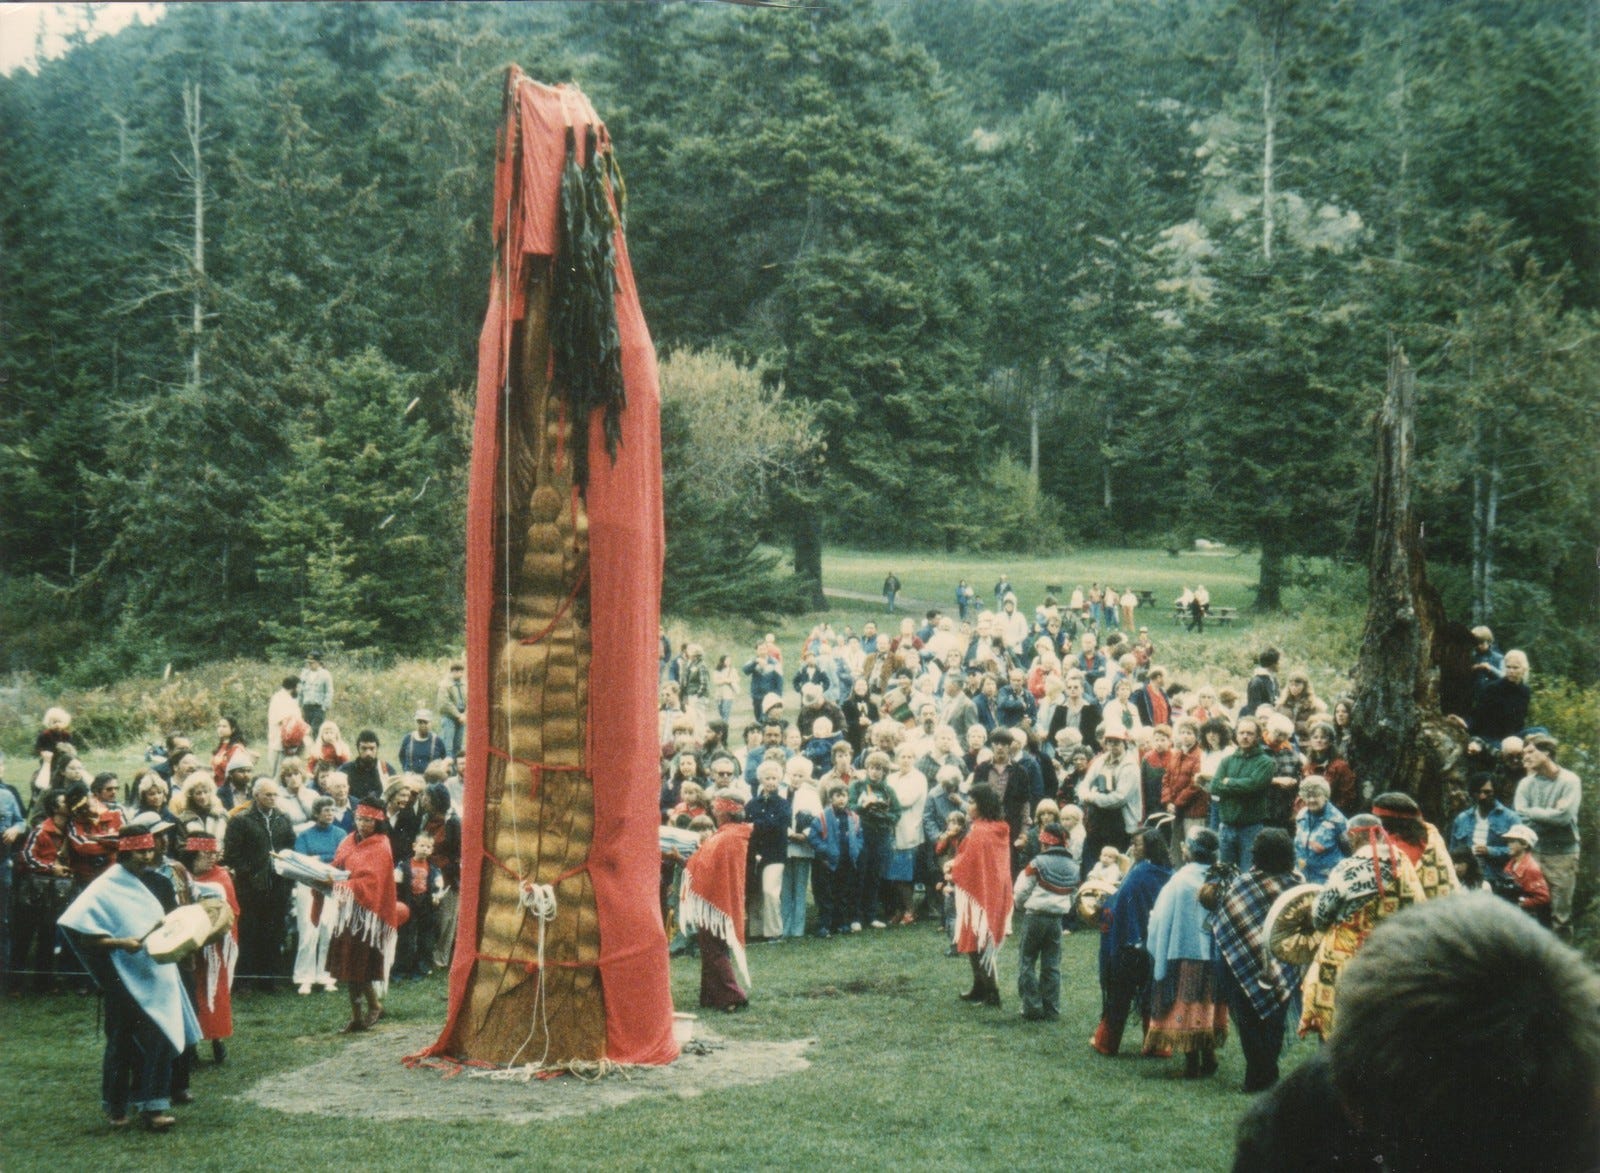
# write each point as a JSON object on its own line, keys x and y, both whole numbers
{"x": 263, "y": 895}
{"x": 1501, "y": 709}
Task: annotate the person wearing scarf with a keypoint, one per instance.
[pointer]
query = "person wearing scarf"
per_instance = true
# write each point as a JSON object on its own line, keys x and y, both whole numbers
{"x": 712, "y": 906}
{"x": 981, "y": 876}
{"x": 1396, "y": 860}
{"x": 1124, "y": 920}
{"x": 1187, "y": 1012}
{"x": 149, "y": 1020}
{"x": 366, "y": 916}
{"x": 214, "y": 965}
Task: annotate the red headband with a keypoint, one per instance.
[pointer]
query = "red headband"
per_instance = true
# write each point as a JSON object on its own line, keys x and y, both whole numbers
{"x": 367, "y": 810}
{"x": 726, "y": 806}
{"x": 1051, "y": 838}
{"x": 1384, "y": 812}
{"x": 145, "y": 842}
{"x": 199, "y": 843}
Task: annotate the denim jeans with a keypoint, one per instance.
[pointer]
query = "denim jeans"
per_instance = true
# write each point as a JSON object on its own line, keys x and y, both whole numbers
{"x": 1237, "y": 843}
{"x": 136, "y": 1071}
{"x": 792, "y": 899}
{"x": 1040, "y": 991}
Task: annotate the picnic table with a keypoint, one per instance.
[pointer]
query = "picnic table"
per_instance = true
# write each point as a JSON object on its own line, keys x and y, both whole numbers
{"x": 1146, "y": 598}
{"x": 1222, "y": 615}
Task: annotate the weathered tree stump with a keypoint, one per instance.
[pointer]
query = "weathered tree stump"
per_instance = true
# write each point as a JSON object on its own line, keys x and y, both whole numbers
{"x": 1401, "y": 739}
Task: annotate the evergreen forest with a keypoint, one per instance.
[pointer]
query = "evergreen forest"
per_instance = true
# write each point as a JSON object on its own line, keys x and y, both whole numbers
{"x": 970, "y": 275}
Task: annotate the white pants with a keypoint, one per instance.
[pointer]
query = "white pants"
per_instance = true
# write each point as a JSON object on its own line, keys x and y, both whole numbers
{"x": 772, "y": 899}
{"x": 311, "y": 958}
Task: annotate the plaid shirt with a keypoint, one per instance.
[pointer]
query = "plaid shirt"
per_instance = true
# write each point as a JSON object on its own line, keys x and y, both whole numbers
{"x": 1239, "y": 929}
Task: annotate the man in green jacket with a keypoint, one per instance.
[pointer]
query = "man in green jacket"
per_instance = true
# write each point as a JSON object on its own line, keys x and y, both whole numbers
{"x": 1240, "y": 791}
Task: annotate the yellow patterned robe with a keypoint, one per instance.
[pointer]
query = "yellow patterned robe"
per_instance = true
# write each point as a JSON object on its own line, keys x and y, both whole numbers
{"x": 1351, "y": 900}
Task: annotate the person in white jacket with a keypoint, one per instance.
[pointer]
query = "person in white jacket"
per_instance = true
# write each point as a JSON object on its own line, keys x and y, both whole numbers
{"x": 283, "y": 711}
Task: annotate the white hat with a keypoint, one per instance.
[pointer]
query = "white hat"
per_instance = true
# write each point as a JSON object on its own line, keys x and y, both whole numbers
{"x": 1115, "y": 734}
{"x": 1527, "y": 834}
{"x": 423, "y": 715}
{"x": 771, "y": 701}
{"x": 822, "y": 727}
{"x": 811, "y": 692}
{"x": 241, "y": 759}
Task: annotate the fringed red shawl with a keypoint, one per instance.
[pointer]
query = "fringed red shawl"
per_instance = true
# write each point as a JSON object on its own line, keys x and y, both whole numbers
{"x": 982, "y": 877}
{"x": 365, "y": 905}
{"x": 713, "y": 889}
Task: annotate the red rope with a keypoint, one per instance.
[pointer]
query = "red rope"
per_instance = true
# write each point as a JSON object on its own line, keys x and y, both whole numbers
{"x": 561, "y": 611}
{"x": 537, "y": 767}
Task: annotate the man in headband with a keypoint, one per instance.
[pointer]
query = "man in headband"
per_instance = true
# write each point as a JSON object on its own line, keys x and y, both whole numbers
{"x": 149, "y": 1020}
{"x": 1045, "y": 891}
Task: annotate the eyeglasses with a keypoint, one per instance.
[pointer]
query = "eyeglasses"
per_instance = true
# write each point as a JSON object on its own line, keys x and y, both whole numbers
{"x": 722, "y": 773}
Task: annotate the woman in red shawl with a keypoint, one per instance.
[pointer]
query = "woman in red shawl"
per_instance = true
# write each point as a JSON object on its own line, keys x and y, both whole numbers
{"x": 981, "y": 875}
{"x": 365, "y": 915}
{"x": 712, "y": 903}
{"x": 214, "y": 965}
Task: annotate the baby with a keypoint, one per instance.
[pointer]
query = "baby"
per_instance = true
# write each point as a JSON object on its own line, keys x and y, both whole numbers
{"x": 1108, "y": 870}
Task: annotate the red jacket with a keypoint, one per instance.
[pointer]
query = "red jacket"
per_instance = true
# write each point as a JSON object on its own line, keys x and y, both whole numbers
{"x": 41, "y": 851}
{"x": 1525, "y": 870}
{"x": 1178, "y": 787}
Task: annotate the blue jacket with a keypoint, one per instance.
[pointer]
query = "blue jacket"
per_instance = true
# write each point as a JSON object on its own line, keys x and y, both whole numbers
{"x": 819, "y": 752}
{"x": 1011, "y": 707}
{"x": 1322, "y": 830}
{"x": 836, "y": 837}
{"x": 770, "y": 815}
{"x": 764, "y": 678}
{"x": 1501, "y": 820}
{"x": 936, "y": 812}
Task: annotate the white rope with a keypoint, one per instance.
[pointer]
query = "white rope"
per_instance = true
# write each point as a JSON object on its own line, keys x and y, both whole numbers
{"x": 540, "y": 902}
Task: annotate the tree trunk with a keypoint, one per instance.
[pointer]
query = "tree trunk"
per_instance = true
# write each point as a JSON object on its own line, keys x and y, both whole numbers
{"x": 808, "y": 554}
{"x": 1401, "y": 740}
{"x": 194, "y": 128}
{"x": 1269, "y": 128}
{"x": 1033, "y": 446}
{"x": 1106, "y": 500}
{"x": 1269, "y": 581}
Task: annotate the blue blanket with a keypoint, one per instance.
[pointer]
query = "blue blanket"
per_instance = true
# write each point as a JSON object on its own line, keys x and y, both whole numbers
{"x": 117, "y": 904}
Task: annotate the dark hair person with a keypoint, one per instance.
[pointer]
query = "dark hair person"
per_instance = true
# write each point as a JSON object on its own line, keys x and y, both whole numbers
{"x": 981, "y": 875}
{"x": 1124, "y": 974}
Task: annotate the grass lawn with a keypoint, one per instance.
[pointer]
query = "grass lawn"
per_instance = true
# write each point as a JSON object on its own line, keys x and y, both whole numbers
{"x": 923, "y": 575}
{"x": 903, "y": 1075}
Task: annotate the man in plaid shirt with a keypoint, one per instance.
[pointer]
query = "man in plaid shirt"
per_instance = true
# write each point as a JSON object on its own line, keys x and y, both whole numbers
{"x": 1257, "y": 985}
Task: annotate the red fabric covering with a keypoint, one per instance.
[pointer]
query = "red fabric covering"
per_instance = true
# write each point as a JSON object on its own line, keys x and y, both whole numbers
{"x": 626, "y": 545}
{"x": 982, "y": 877}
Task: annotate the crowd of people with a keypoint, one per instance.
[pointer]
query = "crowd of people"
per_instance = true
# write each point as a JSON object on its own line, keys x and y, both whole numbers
{"x": 336, "y": 866}
{"x": 1167, "y": 815}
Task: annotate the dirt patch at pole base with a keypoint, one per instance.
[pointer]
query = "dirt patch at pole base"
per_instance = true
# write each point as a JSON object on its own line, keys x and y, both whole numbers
{"x": 367, "y": 1079}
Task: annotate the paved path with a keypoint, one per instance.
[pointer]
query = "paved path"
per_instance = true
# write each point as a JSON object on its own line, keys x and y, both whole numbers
{"x": 904, "y": 604}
